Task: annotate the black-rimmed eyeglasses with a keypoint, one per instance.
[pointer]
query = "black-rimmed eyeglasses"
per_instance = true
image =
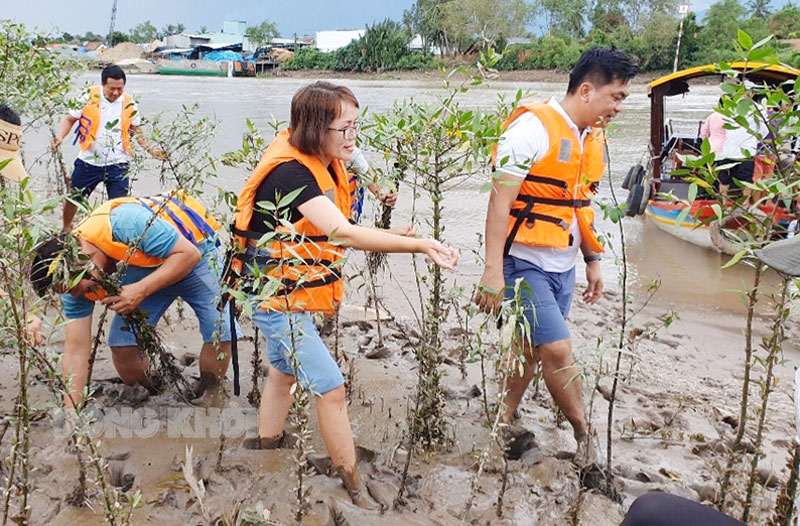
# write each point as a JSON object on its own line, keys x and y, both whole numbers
{"x": 349, "y": 132}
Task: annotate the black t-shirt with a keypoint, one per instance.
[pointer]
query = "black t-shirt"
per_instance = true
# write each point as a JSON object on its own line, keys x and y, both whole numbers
{"x": 284, "y": 179}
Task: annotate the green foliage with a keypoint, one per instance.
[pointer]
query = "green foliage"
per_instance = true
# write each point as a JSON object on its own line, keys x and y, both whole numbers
{"x": 424, "y": 19}
{"x": 33, "y": 81}
{"x": 308, "y": 58}
{"x": 785, "y": 23}
{"x": 383, "y": 45}
{"x": 483, "y": 22}
{"x": 262, "y": 34}
{"x": 549, "y": 52}
{"x": 144, "y": 33}
{"x": 118, "y": 37}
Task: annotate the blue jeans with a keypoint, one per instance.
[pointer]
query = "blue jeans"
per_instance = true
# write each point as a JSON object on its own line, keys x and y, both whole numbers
{"x": 546, "y": 297}
{"x": 200, "y": 289}
{"x": 86, "y": 177}
{"x": 312, "y": 363}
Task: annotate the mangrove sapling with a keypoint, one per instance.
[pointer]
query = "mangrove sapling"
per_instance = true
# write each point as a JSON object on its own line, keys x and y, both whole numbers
{"x": 773, "y": 346}
{"x": 785, "y": 504}
{"x": 254, "y": 396}
{"x": 438, "y": 145}
{"x": 22, "y": 227}
{"x": 185, "y": 142}
{"x": 777, "y": 116}
{"x": 507, "y": 360}
{"x": 298, "y": 416}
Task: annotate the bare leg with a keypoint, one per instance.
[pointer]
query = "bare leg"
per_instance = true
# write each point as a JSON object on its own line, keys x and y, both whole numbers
{"x": 68, "y": 215}
{"x": 130, "y": 365}
{"x": 212, "y": 368}
{"x": 563, "y": 382}
{"x": 335, "y": 428}
{"x": 275, "y": 404}
{"x": 516, "y": 384}
{"x": 338, "y": 437}
{"x": 75, "y": 371}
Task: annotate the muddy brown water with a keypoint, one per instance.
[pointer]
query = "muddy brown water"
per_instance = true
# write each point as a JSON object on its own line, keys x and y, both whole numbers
{"x": 690, "y": 276}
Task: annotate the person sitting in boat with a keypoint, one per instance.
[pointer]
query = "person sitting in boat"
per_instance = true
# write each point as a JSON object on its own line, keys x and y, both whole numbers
{"x": 304, "y": 261}
{"x": 172, "y": 255}
{"x": 735, "y": 155}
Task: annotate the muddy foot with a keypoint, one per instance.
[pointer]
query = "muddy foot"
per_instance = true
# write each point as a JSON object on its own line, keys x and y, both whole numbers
{"x": 518, "y": 440}
{"x": 267, "y": 443}
{"x": 355, "y": 488}
{"x": 206, "y": 382}
{"x": 337, "y": 517}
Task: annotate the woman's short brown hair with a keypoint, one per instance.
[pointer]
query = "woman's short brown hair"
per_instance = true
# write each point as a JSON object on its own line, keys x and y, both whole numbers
{"x": 314, "y": 108}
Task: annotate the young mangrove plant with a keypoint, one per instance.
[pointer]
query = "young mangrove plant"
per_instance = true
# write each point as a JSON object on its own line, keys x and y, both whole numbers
{"x": 769, "y": 114}
{"x": 438, "y": 145}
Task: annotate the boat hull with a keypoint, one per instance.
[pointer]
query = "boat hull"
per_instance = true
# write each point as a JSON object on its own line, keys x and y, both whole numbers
{"x": 691, "y": 230}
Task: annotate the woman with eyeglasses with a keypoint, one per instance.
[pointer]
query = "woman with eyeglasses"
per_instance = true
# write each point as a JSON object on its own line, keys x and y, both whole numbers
{"x": 292, "y": 226}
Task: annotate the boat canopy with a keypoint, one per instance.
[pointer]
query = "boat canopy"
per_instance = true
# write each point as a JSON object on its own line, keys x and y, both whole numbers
{"x": 758, "y": 72}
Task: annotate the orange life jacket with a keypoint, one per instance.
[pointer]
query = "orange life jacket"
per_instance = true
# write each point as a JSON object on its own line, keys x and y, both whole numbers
{"x": 305, "y": 263}
{"x": 558, "y": 187}
{"x": 89, "y": 122}
{"x": 180, "y": 210}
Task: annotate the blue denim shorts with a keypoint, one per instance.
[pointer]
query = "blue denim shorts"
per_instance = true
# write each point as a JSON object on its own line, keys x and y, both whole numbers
{"x": 546, "y": 297}
{"x": 86, "y": 177}
{"x": 316, "y": 368}
{"x": 200, "y": 289}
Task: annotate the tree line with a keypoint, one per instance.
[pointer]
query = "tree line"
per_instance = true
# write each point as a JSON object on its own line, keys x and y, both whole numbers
{"x": 647, "y": 29}
{"x": 145, "y": 32}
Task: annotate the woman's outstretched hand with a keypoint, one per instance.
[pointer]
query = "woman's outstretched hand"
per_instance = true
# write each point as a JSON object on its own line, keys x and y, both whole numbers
{"x": 444, "y": 257}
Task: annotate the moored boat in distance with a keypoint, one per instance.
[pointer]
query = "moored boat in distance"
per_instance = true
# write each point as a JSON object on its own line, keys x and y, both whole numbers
{"x": 647, "y": 185}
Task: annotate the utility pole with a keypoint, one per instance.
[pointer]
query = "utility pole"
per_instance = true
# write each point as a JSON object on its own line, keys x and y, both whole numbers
{"x": 111, "y": 27}
{"x": 683, "y": 9}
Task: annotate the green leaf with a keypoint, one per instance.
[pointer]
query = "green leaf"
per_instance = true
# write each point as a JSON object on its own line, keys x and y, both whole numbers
{"x": 717, "y": 211}
{"x": 735, "y": 259}
{"x": 289, "y": 198}
{"x": 692, "y": 192}
{"x": 681, "y": 217}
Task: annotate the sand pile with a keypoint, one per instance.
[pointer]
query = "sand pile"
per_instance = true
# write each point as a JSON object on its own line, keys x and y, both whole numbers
{"x": 281, "y": 55}
{"x": 122, "y": 51}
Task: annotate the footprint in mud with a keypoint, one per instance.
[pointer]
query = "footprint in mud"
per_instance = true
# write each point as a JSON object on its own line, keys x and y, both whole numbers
{"x": 595, "y": 478}
{"x": 382, "y": 492}
{"x": 120, "y": 475}
{"x": 518, "y": 440}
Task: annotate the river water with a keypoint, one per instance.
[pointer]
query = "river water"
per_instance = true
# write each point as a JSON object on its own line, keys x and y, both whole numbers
{"x": 690, "y": 276}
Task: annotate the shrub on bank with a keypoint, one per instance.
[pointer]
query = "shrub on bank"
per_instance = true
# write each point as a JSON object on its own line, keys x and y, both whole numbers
{"x": 308, "y": 58}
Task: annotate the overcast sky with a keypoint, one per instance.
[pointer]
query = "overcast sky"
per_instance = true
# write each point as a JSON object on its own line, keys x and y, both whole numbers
{"x": 291, "y": 16}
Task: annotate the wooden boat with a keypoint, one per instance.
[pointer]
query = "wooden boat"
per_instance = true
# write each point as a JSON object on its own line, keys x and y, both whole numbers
{"x": 645, "y": 183}
{"x": 207, "y": 68}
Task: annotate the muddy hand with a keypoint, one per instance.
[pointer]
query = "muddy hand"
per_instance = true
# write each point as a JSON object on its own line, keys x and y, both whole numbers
{"x": 489, "y": 295}
{"x": 387, "y": 198}
{"x": 34, "y": 330}
{"x": 128, "y": 299}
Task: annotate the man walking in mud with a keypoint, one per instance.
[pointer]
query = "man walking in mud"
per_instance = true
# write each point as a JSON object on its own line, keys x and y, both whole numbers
{"x": 106, "y": 122}
{"x": 548, "y": 164}
{"x": 171, "y": 255}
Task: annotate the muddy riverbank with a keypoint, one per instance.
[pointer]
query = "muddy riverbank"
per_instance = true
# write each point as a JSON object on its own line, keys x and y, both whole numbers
{"x": 675, "y": 415}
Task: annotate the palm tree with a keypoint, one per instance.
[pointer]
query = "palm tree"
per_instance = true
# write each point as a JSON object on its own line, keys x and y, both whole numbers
{"x": 760, "y": 8}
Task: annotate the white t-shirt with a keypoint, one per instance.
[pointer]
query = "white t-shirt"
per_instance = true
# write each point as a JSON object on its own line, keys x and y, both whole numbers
{"x": 525, "y": 142}
{"x": 107, "y": 148}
